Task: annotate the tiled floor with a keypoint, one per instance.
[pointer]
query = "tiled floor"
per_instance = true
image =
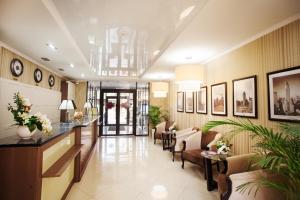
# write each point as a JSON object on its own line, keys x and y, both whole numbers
{"x": 134, "y": 168}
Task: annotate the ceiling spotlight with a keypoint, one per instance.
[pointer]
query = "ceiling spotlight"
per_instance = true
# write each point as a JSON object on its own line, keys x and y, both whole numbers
{"x": 189, "y": 57}
{"x": 186, "y": 12}
{"x": 156, "y": 52}
{"x": 52, "y": 47}
{"x": 82, "y": 75}
{"x": 91, "y": 39}
{"x": 72, "y": 65}
{"x": 61, "y": 69}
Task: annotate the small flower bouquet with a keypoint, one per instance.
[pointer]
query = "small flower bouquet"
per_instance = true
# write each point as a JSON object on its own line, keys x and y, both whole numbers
{"x": 223, "y": 146}
{"x": 110, "y": 105}
{"x": 27, "y": 123}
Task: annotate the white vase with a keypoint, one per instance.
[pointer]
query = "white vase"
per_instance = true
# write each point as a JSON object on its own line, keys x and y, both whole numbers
{"x": 24, "y": 132}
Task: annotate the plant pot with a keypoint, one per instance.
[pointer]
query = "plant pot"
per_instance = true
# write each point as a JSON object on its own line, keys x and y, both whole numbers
{"x": 24, "y": 132}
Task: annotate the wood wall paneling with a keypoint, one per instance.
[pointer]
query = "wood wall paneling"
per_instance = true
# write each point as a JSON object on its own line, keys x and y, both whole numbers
{"x": 277, "y": 50}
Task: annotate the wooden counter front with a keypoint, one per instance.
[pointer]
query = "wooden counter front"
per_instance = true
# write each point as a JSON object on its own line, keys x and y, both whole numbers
{"x": 46, "y": 170}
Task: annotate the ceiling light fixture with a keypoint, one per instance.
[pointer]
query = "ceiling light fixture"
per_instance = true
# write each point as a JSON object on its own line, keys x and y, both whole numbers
{"x": 189, "y": 57}
{"x": 160, "y": 89}
{"x": 52, "y": 47}
{"x": 186, "y": 12}
{"x": 189, "y": 77}
{"x": 72, "y": 65}
{"x": 82, "y": 75}
{"x": 156, "y": 52}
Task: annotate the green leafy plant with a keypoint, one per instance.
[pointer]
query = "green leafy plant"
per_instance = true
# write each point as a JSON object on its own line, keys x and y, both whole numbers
{"x": 154, "y": 115}
{"x": 278, "y": 152}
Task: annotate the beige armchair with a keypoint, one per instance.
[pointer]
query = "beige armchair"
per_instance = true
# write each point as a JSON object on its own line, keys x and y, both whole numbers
{"x": 239, "y": 172}
{"x": 163, "y": 126}
{"x": 195, "y": 144}
{"x": 179, "y": 137}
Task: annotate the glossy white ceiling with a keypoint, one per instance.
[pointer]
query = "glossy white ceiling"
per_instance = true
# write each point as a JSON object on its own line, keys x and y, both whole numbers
{"x": 145, "y": 26}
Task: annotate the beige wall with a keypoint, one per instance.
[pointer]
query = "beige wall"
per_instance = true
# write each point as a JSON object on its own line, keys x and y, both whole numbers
{"x": 161, "y": 102}
{"x": 274, "y": 51}
{"x": 29, "y": 67}
{"x": 44, "y": 99}
{"x": 80, "y": 95}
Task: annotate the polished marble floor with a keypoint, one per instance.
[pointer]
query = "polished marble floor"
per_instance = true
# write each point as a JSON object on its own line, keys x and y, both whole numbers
{"x": 134, "y": 168}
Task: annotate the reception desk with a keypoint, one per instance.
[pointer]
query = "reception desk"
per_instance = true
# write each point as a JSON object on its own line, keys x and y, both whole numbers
{"x": 46, "y": 166}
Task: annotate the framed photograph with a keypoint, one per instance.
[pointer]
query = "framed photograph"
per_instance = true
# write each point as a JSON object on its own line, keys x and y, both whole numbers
{"x": 189, "y": 102}
{"x": 284, "y": 94}
{"x": 219, "y": 99}
{"x": 201, "y": 99}
{"x": 245, "y": 97}
{"x": 180, "y": 101}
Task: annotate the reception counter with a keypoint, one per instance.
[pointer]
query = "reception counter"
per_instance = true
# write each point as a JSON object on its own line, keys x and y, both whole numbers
{"x": 46, "y": 166}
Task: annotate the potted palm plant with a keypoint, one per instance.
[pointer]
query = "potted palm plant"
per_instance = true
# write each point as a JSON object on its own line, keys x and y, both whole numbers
{"x": 154, "y": 116}
{"x": 278, "y": 152}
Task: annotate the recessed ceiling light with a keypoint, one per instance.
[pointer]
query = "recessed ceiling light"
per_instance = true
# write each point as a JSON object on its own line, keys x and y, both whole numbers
{"x": 45, "y": 59}
{"x": 91, "y": 39}
{"x": 61, "y": 69}
{"x": 52, "y": 47}
{"x": 189, "y": 57}
{"x": 82, "y": 75}
{"x": 186, "y": 12}
{"x": 72, "y": 65}
{"x": 156, "y": 52}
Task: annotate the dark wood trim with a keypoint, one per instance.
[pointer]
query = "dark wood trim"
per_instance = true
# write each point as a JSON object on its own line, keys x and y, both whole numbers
{"x": 64, "y": 96}
{"x": 255, "y": 96}
{"x": 55, "y": 140}
{"x": 226, "y": 100}
{"x": 206, "y": 97}
{"x": 58, "y": 168}
{"x": 67, "y": 190}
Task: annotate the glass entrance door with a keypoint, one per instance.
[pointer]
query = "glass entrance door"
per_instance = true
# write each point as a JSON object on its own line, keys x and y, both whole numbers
{"x": 118, "y": 112}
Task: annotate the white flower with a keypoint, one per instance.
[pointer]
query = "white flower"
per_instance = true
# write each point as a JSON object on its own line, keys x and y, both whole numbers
{"x": 26, "y": 102}
{"x": 46, "y": 123}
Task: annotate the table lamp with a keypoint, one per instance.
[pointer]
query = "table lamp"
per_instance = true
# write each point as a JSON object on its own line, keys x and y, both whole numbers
{"x": 67, "y": 105}
{"x": 87, "y": 106}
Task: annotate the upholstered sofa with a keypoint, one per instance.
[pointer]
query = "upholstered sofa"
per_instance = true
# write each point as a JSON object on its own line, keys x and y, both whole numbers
{"x": 195, "y": 144}
{"x": 161, "y": 127}
{"x": 179, "y": 137}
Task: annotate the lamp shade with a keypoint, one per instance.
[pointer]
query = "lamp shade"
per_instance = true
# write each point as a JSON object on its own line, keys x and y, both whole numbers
{"x": 189, "y": 77}
{"x": 87, "y": 105}
{"x": 67, "y": 105}
{"x": 160, "y": 89}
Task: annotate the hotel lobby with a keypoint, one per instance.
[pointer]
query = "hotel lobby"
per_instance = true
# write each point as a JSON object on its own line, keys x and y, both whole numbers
{"x": 150, "y": 99}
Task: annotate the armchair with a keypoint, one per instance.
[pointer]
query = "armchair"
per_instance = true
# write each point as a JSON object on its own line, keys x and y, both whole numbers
{"x": 195, "y": 144}
{"x": 163, "y": 126}
{"x": 179, "y": 137}
{"x": 239, "y": 172}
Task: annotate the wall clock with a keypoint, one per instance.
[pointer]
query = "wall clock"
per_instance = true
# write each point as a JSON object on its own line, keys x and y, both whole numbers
{"x": 16, "y": 67}
{"x": 38, "y": 75}
{"x": 51, "y": 80}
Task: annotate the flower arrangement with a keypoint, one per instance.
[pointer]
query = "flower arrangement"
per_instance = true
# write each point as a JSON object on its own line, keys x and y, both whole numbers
{"x": 124, "y": 105}
{"x": 110, "y": 105}
{"x": 21, "y": 112}
{"x": 223, "y": 146}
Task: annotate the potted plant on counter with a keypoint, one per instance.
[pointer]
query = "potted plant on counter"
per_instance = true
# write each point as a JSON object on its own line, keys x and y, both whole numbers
{"x": 27, "y": 123}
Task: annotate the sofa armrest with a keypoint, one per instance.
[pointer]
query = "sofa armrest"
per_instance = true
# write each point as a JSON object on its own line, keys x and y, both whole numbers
{"x": 239, "y": 163}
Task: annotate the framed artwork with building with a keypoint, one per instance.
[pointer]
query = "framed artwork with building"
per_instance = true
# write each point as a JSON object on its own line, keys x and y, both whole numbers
{"x": 189, "y": 102}
{"x": 284, "y": 95}
{"x": 201, "y": 100}
{"x": 245, "y": 97}
{"x": 219, "y": 99}
{"x": 180, "y": 101}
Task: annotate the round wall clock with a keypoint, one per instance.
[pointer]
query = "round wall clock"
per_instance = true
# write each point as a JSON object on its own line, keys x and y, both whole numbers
{"x": 16, "y": 67}
{"x": 51, "y": 80}
{"x": 38, "y": 75}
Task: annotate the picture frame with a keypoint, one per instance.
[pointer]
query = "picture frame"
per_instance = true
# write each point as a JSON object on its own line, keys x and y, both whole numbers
{"x": 284, "y": 95}
{"x": 180, "y": 101}
{"x": 244, "y": 100}
{"x": 201, "y": 100}
{"x": 219, "y": 99}
{"x": 189, "y": 102}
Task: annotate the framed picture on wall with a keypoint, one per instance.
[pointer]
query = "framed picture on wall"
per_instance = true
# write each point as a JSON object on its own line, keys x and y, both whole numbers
{"x": 284, "y": 95}
{"x": 245, "y": 97}
{"x": 201, "y": 99}
{"x": 219, "y": 99}
{"x": 189, "y": 102}
{"x": 180, "y": 101}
